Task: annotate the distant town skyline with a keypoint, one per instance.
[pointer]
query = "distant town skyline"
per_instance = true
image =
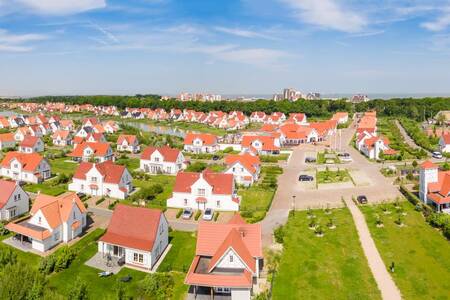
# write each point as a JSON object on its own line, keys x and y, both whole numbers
{"x": 234, "y": 47}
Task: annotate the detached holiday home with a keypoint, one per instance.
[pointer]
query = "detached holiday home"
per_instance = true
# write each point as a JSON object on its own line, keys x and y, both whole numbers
{"x": 31, "y": 144}
{"x": 14, "y": 201}
{"x": 128, "y": 143}
{"x": 28, "y": 167}
{"x": 53, "y": 220}
{"x": 201, "y": 143}
{"x": 137, "y": 236}
{"x": 161, "y": 160}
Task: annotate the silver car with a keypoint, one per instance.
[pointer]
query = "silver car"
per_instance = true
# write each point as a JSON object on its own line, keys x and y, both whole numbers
{"x": 208, "y": 214}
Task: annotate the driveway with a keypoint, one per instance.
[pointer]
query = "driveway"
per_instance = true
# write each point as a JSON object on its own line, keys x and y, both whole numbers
{"x": 377, "y": 189}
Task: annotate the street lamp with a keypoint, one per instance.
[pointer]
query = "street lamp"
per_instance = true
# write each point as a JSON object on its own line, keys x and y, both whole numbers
{"x": 293, "y": 203}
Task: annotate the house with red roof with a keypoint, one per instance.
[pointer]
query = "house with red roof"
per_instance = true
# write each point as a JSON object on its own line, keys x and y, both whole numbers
{"x": 102, "y": 179}
{"x": 89, "y": 122}
{"x": 136, "y": 236}
{"x": 201, "y": 143}
{"x": 444, "y": 143}
{"x": 7, "y": 140}
{"x": 20, "y": 133}
{"x": 14, "y": 201}
{"x": 128, "y": 143}
{"x": 297, "y": 118}
{"x": 67, "y": 125}
{"x": 257, "y": 117}
{"x": 262, "y": 144}
{"x": 244, "y": 167}
{"x": 228, "y": 259}
{"x": 341, "y": 117}
{"x": 161, "y": 160}
{"x": 295, "y": 134}
{"x": 99, "y": 152}
{"x": 28, "y": 167}
{"x": 372, "y": 145}
{"x": 53, "y": 220}
{"x": 434, "y": 186}
{"x": 4, "y": 123}
{"x": 111, "y": 126}
{"x": 31, "y": 144}
{"x": 204, "y": 190}
{"x": 62, "y": 138}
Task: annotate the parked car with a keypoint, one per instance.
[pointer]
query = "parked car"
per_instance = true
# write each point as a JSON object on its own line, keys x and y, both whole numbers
{"x": 187, "y": 213}
{"x": 346, "y": 159}
{"x": 208, "y": 214}
{"x": 304, "y": 177}
{"x": 343, "y": 154}
{"x": 310, "y": 160}
{"x": 81, "y": 195}
{"x": 437, "y": 154}
{"x": 361, "y": 199}
{"x": 215, "y": 157}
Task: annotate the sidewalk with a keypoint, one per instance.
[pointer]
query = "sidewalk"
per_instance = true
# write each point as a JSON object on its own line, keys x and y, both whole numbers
{"x": 386, "y": 285}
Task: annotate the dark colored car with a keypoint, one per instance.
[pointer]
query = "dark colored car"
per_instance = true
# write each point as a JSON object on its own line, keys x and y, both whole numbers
{"x": 215, "y": 157}
{"x": 310, "y": 160}
{"x": 345, "y": 154}
{"x": 361, "y": 199}
{"x": 305, "y": 178}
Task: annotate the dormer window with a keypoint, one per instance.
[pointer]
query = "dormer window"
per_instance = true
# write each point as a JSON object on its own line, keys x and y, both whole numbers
{"x": 94, "y": 179}
{"x": 201, "y": 192}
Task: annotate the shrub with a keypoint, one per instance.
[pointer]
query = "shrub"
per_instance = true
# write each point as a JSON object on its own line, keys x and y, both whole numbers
{"x": 7, "y": 256}
{"x": 216, "y": 215}
{"x": 197, "y": 215}
{"x": 179, "y": 212}
{"x": 78, "y": 291}
{"x": 278, "y": 234}
{"x": 3, "y": 230}
{"x": 158, "y": 286}
{"x": 47, "y": 264}
{"x": 99, "y": 200}
{"x": 64, "y": 258}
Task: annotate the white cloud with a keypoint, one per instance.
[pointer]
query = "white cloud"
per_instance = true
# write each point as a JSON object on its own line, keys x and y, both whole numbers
{"x": 328, "y": 14}
{"x": 10, "y": 42}
{"x": 440, "y": 23}
{"x": 243, "y": 32}
{"x": 62, "y": 7}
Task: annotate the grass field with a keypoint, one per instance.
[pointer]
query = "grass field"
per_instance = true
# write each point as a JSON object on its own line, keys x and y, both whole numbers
{"x": 420, "y": 253}
{"x": 330, "y": 267}
{"x": 328, "y": 176}
{"x": 165, "y": 181}
{"x": 131, "y": 163}
{"x": 46, "y": 188}
{"x": 182, "y": 252}
{"x": 63, "y": 166}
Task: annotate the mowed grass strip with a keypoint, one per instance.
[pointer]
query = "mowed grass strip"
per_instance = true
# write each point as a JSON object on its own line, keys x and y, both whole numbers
{"x": 420, "y": 253}
{"x": 328, "y": 267}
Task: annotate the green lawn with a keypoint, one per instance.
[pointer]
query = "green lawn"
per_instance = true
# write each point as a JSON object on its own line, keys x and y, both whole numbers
{"x": 103, "y": 288}
{"x": 328, "y": 176}
{"x": 322, "y": 160}
{"x": 46, "y": 188}
{"x": 420, "y": 253}
{"x": 28, "y": 258}
{"x": 182, "y": 252}
{"x": 330, "y": 267}
{"x": 131, "y": 163}
{"x": 63, "y": 166}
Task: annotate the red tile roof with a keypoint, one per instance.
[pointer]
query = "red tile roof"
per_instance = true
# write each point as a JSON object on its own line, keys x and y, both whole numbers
{"x": 7, "y": 188}
{"x": 446, "y": 138}
{"x": 99, "y": 149}
{"x": 428, "y": 165}
{"x": 131, "y": 139}
{"x": 250, "y": 162}
{"x": 169, "y": 154}
{"x": 29, "y": 161}
{"x": 29, "y": 141}
{"x": 208, "y": 139}
{"x": 221, "y": 183}
{"x": 7, "y": 137}
{"x": 133, "y": 227}
{"x": 63, "y": 134}
{"x": 268, "y": 142}
{"x": 111, "y": 172}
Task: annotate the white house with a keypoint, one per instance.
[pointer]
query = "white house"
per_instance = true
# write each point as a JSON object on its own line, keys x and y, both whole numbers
{"x": 128, "y": 143}
{"x": 111, "y": 127}
{"x": 14, "y": 201}
{"x": 204, "y": 190}
{"x": 444, "y": 143}
{"x": 31, "y": 144}
{"x": 7, "y": 141}
{"x": 20, "y": 133}
{"x": 62, "y": 138}
{"x": 244, "y": 167}
{"x": 228, "y": 259}
{"x": 53, "y": 220}
{"x": 29, "y": 167}
{"x": 102, "y": 179}
{"x": 99, "y": 152}
{"x": 200, "y": 143}
{"x": 434, "y": 186}
{"x": 161, "y": 160}
{"x": 263, "y": 144}
{"x": 340, "y": 117}
{"x": 373, "y": 146}
{"x": 136, "y": 235}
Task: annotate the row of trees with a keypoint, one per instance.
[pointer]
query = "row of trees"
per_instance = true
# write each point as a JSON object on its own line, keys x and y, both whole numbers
{"x": 416, "y": 109}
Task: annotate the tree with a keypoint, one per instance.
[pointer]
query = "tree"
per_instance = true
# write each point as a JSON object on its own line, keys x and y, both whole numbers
{"x": 157, "y": 286}
{"x": 20, "y": 281}
{"x": 78, "y": 291}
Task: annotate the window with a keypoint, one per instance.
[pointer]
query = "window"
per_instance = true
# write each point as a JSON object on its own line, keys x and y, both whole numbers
{"x": 231, "y": 258}
{"x": 161, "y": 229}
{"x": 82, "y": 187}
{"x": 139, "y": 258}
{"x": 201, "y": 192}
{"x": 156, "y": 159}
{"x": 39, "y": 220}
{"x": 74, "y": 215}
{"x": 185, "y": 202}
{"x": 16, "y": 165}
{"x": 94, "y": 179}
{"x": 218, "y": 203}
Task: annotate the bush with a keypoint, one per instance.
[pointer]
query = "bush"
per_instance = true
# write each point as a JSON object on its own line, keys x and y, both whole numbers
{"x": 7, "y": 256}
{"x": 179, "y": 212}
{"x": 99, "y": 200}
{"x": 278, "y": 234}
{"x": 216, "y": 215}
{"x": 197, "y": 215}
{"x": 47, "y": 264}
{"x": 196, "y": 167}
{"x": 78, "y": 291}
{"x": 3, "y": 230}
{"x": 64, "y": 258}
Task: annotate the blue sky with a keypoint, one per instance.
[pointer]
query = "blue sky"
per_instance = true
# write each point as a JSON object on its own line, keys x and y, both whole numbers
{"x": 224, "y": 46}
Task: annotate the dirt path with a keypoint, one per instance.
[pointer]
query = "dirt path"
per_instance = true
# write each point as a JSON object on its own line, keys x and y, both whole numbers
{"x": 386, "y": 285}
